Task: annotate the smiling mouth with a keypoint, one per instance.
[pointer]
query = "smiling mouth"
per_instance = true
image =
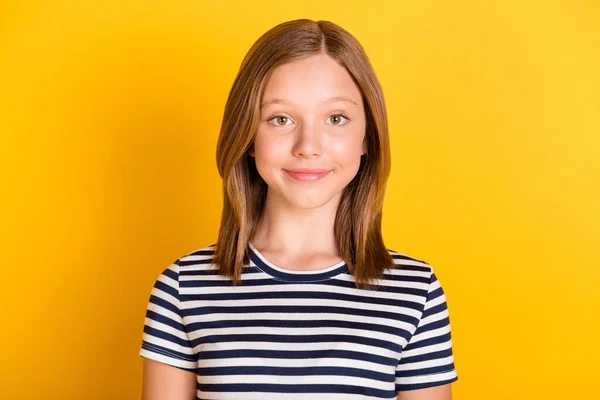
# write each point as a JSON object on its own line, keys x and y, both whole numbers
{"x": 307, "y": 176}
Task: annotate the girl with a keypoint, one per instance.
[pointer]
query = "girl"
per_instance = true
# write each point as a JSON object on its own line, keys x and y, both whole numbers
{"x": 299, "y": 298}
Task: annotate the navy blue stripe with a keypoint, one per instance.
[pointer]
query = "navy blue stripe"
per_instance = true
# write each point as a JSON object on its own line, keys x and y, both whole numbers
{"x": 298, "y": 354}
{"x": 186, "y": 263}
{"x": 166, "y": 336}
{"x": 296, "y": 371}
{"x": 428, "y": 342}
{"x": 313, "y": 388}
{"x": 298, "y": 339}
{"x": 426, "y": 357}
{"x": 164, "y": 304}
{"x": 405, "y": 257}
{"x": 166, "y": 288}
{"x": 433, "y": 294}
{"x": 300, "y": 309}
{"x": 289, "y": 276}
{"x": 231, "y": 296}
{"x": 434, "y": 310}
{"x": 168, "y": 352}
{"x": 198, "y": 284}
{"x": 164, "y": 320}
{"x": 170, "y": 273}
{"x": 425, "y": 371}
{"x": 318, "y": 323}
{"x": 215, "y": 272}
{"x": 433, "y": 325}
{"x": 202, "y": 252}
{"x": 406, "y": 278}
{"x": 415, "y": 386}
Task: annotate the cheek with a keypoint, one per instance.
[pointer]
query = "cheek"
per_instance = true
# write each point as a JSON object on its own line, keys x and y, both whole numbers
{"x": 347, "y": 151}
{"x": 269, "y": 151}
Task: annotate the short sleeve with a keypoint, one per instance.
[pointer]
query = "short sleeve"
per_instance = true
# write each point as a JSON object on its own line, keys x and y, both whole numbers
{"x": 428, "y": 360}
{"x": 165, "y": 338}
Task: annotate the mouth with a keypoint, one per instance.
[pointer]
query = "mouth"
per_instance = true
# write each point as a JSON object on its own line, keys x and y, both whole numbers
{"x": 307, "y": 176}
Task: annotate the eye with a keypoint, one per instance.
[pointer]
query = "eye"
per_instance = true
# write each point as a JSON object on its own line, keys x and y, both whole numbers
{"x": 337, "y": 119}
{"x": 280, "y": 120}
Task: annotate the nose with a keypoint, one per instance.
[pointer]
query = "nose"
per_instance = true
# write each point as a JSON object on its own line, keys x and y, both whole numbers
{"x": 309, "y": 141}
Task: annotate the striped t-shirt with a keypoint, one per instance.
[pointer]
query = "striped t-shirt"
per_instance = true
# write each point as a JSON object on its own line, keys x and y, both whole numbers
{"x": 286, "y": 334}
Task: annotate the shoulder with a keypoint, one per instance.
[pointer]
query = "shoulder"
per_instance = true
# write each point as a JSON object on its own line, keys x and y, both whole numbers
{"x": 197, "y": 259}
{"x": 408, "y": 282}
{"x": 406, "y": 265}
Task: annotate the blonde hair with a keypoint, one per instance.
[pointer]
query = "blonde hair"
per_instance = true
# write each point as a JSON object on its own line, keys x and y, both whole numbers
{"x": 357, "y": 227}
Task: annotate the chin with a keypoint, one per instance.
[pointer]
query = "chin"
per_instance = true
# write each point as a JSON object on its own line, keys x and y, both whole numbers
{"x": 307, "y": 202}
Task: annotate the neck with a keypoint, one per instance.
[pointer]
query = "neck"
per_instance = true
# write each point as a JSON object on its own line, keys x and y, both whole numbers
{"x": 287, "y": 229}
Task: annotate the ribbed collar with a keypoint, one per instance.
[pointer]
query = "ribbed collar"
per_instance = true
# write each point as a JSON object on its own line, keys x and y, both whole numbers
{"x": 289, "y": 275}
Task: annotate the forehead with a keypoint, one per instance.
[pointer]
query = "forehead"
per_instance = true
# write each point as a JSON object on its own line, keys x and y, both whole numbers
{"x": 310, "y": 81}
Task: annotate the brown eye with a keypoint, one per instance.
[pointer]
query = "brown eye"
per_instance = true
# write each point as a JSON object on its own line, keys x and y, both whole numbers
{"x": 338, "y": 119}
{"x": 280, "y": 120}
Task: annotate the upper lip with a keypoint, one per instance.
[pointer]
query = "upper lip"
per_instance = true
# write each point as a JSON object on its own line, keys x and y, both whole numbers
{"x": 308, "y": 170}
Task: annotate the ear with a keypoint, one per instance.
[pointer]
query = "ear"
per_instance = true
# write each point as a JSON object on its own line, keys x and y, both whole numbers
{"x": 251, "y": 150}
{"x": 364, "y": 146}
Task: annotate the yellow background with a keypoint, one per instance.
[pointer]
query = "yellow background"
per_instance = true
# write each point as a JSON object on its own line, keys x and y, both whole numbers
{"x": 109, "y": 117}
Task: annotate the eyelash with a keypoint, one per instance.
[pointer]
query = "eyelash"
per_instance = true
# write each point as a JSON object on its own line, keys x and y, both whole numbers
{"x": 332, "y": 115}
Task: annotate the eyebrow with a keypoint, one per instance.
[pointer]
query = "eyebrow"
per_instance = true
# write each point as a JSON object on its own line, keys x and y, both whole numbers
{"x": 331, "y": 100}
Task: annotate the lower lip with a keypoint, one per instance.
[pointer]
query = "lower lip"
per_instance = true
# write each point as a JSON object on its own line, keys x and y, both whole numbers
{"x": 303, "y": 177}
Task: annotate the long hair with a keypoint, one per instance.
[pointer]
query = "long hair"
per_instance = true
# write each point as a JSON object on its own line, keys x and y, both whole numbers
{"x": 357, "y": 227}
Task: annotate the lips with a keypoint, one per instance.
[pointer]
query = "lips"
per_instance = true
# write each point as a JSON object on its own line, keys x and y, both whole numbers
{"x": 307, "y": 175}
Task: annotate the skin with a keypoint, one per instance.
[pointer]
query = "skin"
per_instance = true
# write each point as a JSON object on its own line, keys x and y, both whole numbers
{"x": 308, "y": 98}
{"x": 300, "y": 127}
{"x": 165, "y": 382}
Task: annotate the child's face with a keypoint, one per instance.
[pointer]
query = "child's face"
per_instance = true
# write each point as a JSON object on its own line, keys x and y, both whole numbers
{"x": 309, "y": 126}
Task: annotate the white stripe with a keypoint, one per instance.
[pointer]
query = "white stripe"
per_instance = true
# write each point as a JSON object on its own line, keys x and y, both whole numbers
{"x": 435, "y": 302}
{"x": 426, "y": 378}
{"x": 164, "y": 312}
{"x": 304, "y": 332}
{"x": 434, "y": 318}
{"x": 389, "y": 282}
{"x": 159, "y": 326}
{"x": 430, "y": 334}
{"x": 294, "y": 362}
{"x": 437, "y": 362}
{"x": 315, "y": 346}
{"x": 167, "y": 280}
{"x": 166, "y": 344}
{"x": 297, "y": 316}
{"x": 284, "y": 396}
{"x": 294, "y": 380}
{"x": 298, "y": 287}
{"x": 303, "y": 302}
{"x": 202, "y": 279}
{"x": 167, "y": 359}
{"x": 399, "y": 272}
{"x": 427, "y": 349}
